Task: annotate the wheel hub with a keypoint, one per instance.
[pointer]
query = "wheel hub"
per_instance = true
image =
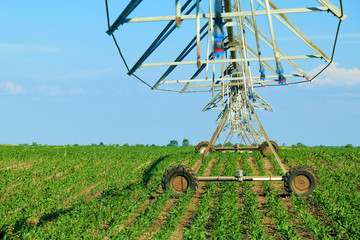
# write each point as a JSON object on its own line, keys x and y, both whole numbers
{"x": 179, "y": 183}
{"x": 267, "y": 149}
{"x": 301, "y": 182}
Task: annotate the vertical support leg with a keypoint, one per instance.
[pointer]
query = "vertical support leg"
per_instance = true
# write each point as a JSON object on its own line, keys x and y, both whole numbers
{"x": 198, "y": 33}
{"x": 228, "y": 136}
{"x": 178, "y": 13}
{"x": 215, "y": 136}
{"x": 277, "y": 158}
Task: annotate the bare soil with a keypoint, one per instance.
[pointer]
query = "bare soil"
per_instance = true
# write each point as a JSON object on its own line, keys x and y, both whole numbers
{"x": 287, "y": 202}
{"x": 159, "y": 221}
{"x": 187, "y": 218}
{"x": 143, "y": 164}
{"x": 86, "y": 191}
{"x": 267, "y": 220}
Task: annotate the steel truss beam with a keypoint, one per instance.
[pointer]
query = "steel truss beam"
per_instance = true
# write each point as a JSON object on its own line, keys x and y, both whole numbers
{"x": 235, "y": 85}
{"x": 120, "y": 20}
{"x": 230, "y": 15}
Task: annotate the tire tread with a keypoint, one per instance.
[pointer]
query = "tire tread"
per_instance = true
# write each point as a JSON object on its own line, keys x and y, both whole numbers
{"x": 287, "y": 183}
{"x": 179, "y": 168}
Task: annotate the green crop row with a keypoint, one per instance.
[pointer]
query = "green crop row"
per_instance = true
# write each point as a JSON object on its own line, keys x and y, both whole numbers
{"x": 98, "y": 192}
{"x": 228, "y": 222}
{"x": 280, "y": 213}
{"x": 198, "y": 229}
{"x": 254, "y": 228}
{"x": 113, "y": 176}
{"x": 336, "y": 196}
{"x": 176, "y": 212}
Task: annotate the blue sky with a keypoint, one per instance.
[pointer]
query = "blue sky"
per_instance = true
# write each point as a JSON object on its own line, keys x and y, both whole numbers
{"x": 62, "y": 82}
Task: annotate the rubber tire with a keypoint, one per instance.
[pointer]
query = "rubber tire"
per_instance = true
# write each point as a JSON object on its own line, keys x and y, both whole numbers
{"x": 180, "y": 170}
{"x": 201, "y": 145}
{"x": 301, "y": 170}
{"x": 264, "y": 145}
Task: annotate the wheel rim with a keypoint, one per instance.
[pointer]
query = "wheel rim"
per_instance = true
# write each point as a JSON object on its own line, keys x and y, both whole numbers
{"x": 267, "y": 149}
{"x": 179, "y": 183}
{"x": 301, "y": 183}
{"x": 202, "y": 149}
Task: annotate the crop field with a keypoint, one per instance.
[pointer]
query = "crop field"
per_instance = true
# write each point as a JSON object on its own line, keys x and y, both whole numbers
{"x": 103, "y": 192}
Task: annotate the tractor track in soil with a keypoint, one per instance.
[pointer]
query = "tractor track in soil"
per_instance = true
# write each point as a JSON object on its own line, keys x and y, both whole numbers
{"x": 267, "y": 221}
{"x": 86, "y": 191}
{"x": 143, "y": 164}
{"x": 216, "y": 200}
{"x": 187, "y": 219}
{"x": 286, "y": 202}
{"x": 142, "y": 208}
{"x": 160, "y": 219}
{"x": 316, "y": 211}
{"x": 95, "y": 189}
{"x": 241, "y": 191}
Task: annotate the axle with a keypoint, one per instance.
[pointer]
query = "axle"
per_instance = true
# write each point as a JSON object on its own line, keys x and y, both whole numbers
{"x": 240, "y": 179}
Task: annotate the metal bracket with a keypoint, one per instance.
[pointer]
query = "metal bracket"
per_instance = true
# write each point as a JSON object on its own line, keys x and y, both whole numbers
{"x": 240, "y": 175}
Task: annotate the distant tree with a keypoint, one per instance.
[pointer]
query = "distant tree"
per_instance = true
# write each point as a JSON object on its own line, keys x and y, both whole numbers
{"x": 348, "y": 145}
{"x": 139, "y": 145}
{"x": 283, "y": 144}
{"x": 34, "y": 144}
{"x": 76, "y": 144}
{"x": 152, "y": 145}
{"x": 218, "y": 145}
{"x": 173, "y": 143}
{"x": 300, "y": 145}
{"x": 185, "y": 143}
{"x": 228, "y": 144}
{"x": 101, "y": 144}
{"x": 125, "y": 145}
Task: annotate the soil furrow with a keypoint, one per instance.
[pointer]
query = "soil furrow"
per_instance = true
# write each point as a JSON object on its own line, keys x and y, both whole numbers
{"x": 153, "y": 196}
{"x": 142, "y": 165}
{"x": 267, "y": 221}
{"x": 241, "y": 191}
{"x": 186, "y": 219}
{"x": 214, "y": 204}
{"x": 149, "y": 233}
{"x": 286, "y": 202}
{"x": 86, "y": 191}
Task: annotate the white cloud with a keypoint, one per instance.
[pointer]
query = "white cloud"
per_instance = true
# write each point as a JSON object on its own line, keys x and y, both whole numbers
{"x": 11, "y": 87}
{"x": 341, "y": 36}
{"x": 142, "y": 86}
{"x": 348, "y": 36}
{"x": 337, "y": 76}
{"x": 86, "y": 74}
{"x": 75, "y": 91}
{"x": 344, "y": 94}
{"x": 11, "y": 48}
{"x": 58, "y": 90}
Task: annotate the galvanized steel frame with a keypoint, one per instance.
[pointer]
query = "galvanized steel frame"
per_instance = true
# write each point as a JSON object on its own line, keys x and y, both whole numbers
{"x": 240, "y": 81}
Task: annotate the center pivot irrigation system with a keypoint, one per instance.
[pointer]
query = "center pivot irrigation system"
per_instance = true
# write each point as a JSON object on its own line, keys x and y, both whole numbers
{"x": 231, "y": 49}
